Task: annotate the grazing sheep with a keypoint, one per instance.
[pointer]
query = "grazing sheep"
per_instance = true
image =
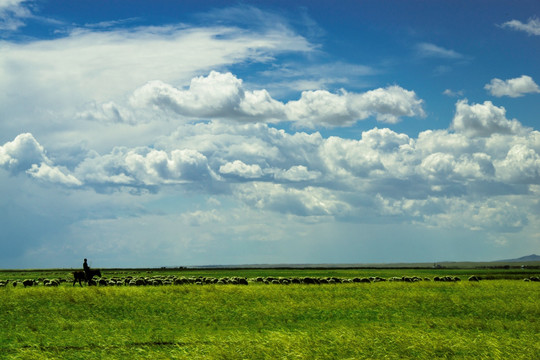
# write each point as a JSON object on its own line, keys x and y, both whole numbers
{"x": 29, "y": 282}
{"x": 137, "y": 282}
{"x": 49, "y": 283}
{"x": 534, "y": 278}
{"x": 474, "y": 278}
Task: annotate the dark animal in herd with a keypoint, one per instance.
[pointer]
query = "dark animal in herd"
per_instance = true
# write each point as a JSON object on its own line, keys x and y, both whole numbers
{"x": 81, "y": 276}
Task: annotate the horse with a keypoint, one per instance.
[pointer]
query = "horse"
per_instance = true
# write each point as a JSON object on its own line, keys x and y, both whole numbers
{"x": 85, "y": 276}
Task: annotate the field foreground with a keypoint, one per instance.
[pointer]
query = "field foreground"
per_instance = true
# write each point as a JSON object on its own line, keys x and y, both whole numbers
{"x": 496, "y": 319}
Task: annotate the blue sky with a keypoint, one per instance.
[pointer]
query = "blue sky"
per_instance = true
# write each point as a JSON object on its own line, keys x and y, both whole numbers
{"x": 164, "y": 133}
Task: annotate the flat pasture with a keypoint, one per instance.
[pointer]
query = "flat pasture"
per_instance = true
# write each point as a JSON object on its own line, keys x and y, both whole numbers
{"x": 489, "y": 319}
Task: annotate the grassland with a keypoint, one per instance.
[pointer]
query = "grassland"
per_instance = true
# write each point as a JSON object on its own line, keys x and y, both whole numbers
{"x": 495, "y": 319}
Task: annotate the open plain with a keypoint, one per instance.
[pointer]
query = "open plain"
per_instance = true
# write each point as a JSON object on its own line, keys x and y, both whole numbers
{"x": 209, "y": 314}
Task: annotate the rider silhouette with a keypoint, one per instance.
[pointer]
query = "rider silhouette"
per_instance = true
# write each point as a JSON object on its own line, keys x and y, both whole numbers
{"x": 86, "y": 268}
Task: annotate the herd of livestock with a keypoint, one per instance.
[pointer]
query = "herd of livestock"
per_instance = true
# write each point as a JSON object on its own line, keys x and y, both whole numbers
{"x": 175, "y": 280}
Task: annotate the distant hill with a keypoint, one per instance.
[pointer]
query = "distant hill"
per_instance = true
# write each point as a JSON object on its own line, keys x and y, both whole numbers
{"x": 532, "y": 257}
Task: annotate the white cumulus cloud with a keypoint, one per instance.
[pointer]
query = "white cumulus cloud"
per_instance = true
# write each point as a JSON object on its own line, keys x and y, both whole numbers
{"x": 222, "y": 96}
{"x": 512, "y": 87}
{"x": 322, "y": 108}
{"x": 521, "y": 165}
{"x": 21, "y": 153}
{"x": 214, "y": 96}
{"x": 483, "y": 119}
{"x": 26, "y": 154}
{"x": 142, "y": 167}
{"x": 53, "y": 174}
{"x": 241, "y": 169}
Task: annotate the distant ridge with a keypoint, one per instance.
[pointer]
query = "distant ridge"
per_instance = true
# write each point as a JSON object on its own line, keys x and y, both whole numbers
{"x": 532, "y": 257}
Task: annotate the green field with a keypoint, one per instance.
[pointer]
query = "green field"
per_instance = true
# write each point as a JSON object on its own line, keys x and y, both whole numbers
{"x": 490, "y": 319}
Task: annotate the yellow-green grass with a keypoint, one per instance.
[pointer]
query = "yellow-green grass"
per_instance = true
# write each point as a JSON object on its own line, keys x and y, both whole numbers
{"x": 496, "y": 319}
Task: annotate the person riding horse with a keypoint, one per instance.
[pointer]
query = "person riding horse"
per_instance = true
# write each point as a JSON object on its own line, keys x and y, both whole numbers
{"x": 86, "y": 269}
{"x": 86, "y": 275}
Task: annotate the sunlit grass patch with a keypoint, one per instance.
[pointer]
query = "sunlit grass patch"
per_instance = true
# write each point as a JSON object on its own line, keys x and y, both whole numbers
{"x": 395, "y": 320}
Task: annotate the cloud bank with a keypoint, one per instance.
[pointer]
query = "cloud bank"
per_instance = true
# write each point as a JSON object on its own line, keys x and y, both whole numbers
{"x": 476, "y": 173}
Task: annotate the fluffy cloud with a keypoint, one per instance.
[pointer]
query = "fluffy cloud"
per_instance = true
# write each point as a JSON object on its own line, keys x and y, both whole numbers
{"x": 238, "y": 168}
{"x": 316, "y": 108}
{"x": 215, "y": 96}
{"x": 483, "y": 120}
{"x": 144, "y": 167}
{"x": 25, "y": 154}
{"x": 21, "y": 153}
{"x": 532, "y": 27}
{"x": 512, "y": 87}
{"x": 53, "y": 174}
{"x": 222, "y": 96}
{"x": 521, "y": 165}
